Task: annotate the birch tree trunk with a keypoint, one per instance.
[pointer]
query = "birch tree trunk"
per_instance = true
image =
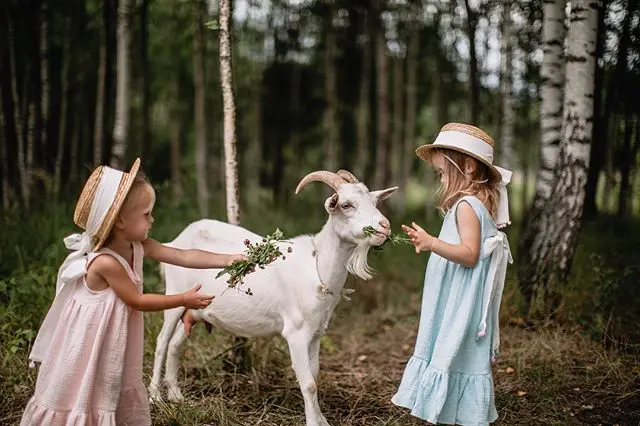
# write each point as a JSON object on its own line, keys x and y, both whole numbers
{"x": 98, "y": 131}
{"x": 330, "y": 122}
{"x": 472, "y": 21}
{"x": 199, "y": 105}
{"x": 44, "y": 76}
{"x": 506, "y": 88}
{"x": 552, "y": 75}
{"x": 382, "y": 97}
{"x": 64, "y": 93}
{"x": 18, "y": 123}
{"x": 229, "y": 111}
{"x": 549, "y": 260}
{"x": 123, "y": 65}
{"x": 363, "y": 111}
{"x": 174, "y": 134}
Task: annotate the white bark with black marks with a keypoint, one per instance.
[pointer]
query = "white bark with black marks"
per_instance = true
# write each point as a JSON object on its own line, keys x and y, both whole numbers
{"x": 229, "y": 111}
{"x": 558, "y": 225}
{"x": 552, "y": 76}
{"x": 123, "y": 103}
{"x": 506, "y": 88}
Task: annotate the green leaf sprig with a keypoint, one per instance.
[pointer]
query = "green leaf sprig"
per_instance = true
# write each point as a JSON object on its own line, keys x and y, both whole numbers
{"x": 258, "y": 256}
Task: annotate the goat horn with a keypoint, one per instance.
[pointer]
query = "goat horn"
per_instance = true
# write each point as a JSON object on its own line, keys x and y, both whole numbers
{"x": 348, "y": 176}
{"x": 330, "y": 178}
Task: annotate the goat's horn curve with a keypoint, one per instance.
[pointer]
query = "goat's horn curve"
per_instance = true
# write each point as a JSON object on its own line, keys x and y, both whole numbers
{"x": 348, "y": 176}
{"x": 330, "y": 178}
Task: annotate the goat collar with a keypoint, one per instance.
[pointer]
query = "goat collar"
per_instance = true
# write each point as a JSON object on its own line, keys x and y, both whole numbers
{"x": 324, "y": 288}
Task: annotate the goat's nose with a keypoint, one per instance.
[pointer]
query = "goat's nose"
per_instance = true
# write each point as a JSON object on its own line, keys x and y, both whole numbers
{"x": 385, "y": 223}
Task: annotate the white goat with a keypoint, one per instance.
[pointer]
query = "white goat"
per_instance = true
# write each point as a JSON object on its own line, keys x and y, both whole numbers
{"x": 294, "y": 297}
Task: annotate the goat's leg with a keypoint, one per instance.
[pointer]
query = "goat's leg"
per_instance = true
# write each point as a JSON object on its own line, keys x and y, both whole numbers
{"x": 299, "y": 345}
{"x": 314, "y": 356}
{"x": 171, "y": 318}
{"x": 173, "y": 363}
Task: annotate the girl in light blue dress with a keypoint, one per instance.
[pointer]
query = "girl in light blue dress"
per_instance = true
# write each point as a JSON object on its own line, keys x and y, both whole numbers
{"x": 448, "y": 379}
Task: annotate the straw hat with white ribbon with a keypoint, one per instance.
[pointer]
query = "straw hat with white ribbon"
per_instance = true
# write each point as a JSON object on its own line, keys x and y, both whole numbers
{"x": 476, "y": 143}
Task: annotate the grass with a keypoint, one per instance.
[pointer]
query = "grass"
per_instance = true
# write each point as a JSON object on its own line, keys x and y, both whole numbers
{"x": 581, "y": 370}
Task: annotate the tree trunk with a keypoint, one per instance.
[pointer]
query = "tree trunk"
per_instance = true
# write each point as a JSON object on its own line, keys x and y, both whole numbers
{"x": 330, "y": 119}
{"x": 31, "y": 140}
{"x": 413, "y": 54}
{"x": 4, "y": 162}
{"x": 382, "y": 96}
{"x": 363, "y": 110}
{"x": 397, "y": 149}
{"x": 229, "y": 110}
{"x": 174, "y": 134}
{"x": 627, "y": 159}
{"x": 75, "y": 146}
{"x": 599, "y": 141}
{"x": 472, "y": 20}
{"x": 123, "y": 64}
{"x": 23, "y": 171}
{"x": 145, "y": 144}
{"x": 44, "y": 77}
{"x": 506, "y": 87}
{"x": 199, "y": 106}
{"x": 64, "y": 93}
{"x": 98, "y": 131}
{"x": 552, "y": 75}
{"x": 558, "y": 224}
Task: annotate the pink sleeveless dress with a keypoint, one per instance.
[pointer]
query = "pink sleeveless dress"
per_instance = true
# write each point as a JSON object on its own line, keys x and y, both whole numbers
{"x": 92, "y": 374}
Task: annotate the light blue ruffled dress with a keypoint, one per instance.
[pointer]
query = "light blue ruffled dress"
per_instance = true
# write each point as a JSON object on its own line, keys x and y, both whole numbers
{"x": 448, "y": 379}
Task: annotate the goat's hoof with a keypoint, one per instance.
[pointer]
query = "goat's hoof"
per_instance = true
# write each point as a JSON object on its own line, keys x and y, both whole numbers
{"x": 174, "y": 394}
{"x": 155, "y": 396}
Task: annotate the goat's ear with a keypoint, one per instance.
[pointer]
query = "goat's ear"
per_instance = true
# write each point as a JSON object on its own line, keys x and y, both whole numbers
{"x": 383, "y": 194}
{"x": 331, "y": 203}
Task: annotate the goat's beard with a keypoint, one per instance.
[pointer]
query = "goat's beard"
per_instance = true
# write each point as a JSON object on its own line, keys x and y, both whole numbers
{"x": 357, "y": 262}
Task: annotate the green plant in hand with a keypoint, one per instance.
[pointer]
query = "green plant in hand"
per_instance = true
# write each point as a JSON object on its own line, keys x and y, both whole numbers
{"x": 394, "y": 239}
{"x": 258, "y": 256}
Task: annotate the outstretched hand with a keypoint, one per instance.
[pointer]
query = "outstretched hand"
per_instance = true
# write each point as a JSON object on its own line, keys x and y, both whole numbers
{"x": 194, "y": 300}
{"x": 420, "y": 238}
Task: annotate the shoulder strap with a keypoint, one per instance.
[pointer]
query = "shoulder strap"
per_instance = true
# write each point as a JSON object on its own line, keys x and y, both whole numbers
{"x": 127, "y": 267}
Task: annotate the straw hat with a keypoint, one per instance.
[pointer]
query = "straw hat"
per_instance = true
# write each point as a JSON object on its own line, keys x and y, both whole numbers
{"x": 469, "y": 140}
{"x": 87, "y": 197}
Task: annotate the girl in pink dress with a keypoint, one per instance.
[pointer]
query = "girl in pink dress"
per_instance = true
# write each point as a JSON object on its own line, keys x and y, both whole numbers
{"x": 90, "y": 344}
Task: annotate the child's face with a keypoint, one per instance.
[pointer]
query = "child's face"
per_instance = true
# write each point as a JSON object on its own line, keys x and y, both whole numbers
{"x": 137, "y": 218}
{"x": 438, "y": 164}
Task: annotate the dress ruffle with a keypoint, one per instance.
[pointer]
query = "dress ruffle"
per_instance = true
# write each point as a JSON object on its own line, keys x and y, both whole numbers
{"x": 36, "y": 414}
{"x": 435, "y": 395}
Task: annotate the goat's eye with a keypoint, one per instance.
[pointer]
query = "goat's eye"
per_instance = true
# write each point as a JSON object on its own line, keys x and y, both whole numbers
{"x": 346, "y": 206}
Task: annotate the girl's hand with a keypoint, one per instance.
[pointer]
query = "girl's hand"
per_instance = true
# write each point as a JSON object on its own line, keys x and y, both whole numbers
{"x": 420, "y": 238}
{"x": 236, "y": 258}
{"x": 193, "y": 300}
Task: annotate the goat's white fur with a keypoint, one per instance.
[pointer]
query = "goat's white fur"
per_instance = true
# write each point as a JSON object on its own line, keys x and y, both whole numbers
{"x": 288, "y": 295}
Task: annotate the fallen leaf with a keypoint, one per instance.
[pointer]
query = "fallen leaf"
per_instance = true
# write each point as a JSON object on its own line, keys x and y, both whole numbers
{"x": 386, "y": 327}
{"x": 510, "y": 370}
{"x": 521, "y": 393}
{"x": 576, "y": 389}
{"x": 406, "y": 347}
{"x": 362, "y": 358}
{"x": 587, "y": 407}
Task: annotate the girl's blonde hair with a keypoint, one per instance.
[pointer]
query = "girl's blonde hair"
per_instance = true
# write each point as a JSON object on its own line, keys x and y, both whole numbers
{"x": 456, "y": 183}
{"x": 139, "y": 182}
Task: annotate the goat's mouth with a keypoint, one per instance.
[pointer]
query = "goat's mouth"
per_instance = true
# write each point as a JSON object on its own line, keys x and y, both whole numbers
{"x": 376, "y": 236}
